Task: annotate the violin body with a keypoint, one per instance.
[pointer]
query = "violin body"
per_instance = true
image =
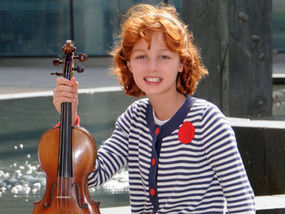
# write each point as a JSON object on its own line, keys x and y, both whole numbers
{"x": 67, "y": 155}
{"x": 74, "y": 197}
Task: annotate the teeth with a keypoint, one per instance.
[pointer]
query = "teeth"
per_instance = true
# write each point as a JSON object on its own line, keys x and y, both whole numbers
{"x": 153, "y": 79}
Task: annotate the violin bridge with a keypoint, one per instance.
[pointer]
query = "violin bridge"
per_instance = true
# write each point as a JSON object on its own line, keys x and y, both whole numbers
{"x": 63, "y": 197}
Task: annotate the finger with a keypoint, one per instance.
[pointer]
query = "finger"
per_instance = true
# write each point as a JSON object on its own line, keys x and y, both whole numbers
{"x": 65, "y": 94}
{"x": 66, "y": 89}
{"x": 63, "y": 81}
{"x": 74, "y": 83}
{"x": 57, "y": 101}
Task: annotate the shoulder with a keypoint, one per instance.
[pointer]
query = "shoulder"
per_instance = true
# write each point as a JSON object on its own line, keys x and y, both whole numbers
{"x": 141, "y": 103}
{"x": 203, "y": 107}
{"x": 207, "y": 114}
{"x": 135, "y": 112}
{"x": 213, "y": 128}
{"x": 138, "y": 107}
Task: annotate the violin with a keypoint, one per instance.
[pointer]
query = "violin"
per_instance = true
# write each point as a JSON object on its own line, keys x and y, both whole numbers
{"x": 67, "y": 155}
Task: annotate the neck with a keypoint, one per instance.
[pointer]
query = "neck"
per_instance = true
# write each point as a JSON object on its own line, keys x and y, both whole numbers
{"x": 165, "y": 108}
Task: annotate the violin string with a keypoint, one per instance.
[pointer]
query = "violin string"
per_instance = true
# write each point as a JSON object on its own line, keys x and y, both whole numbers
{"x": 62, "y": 156}
{"x": 68, "y": 164}
{"x": 58, "y": 185}
{"x": 64, "y": 168}
{"x": 62, "y": 177}
{"x": 67, "y": 140}
{"x": 64, "y": 159}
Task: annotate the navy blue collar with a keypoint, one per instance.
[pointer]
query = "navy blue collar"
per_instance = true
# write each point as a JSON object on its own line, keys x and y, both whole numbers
{"x": 171, "y": 124}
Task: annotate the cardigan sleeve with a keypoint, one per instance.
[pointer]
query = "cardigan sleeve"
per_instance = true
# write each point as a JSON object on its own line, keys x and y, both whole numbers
{"x": 113, "y": 155}
{"x": 77, "y": 122}
{"x": 220, "y": 147}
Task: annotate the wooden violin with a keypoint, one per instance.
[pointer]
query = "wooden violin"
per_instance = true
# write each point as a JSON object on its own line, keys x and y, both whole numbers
{"x": 67, "y": 155}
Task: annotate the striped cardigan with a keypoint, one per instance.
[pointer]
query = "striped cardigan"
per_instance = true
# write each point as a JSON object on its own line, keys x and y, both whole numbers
{"x": 190, "y": 164}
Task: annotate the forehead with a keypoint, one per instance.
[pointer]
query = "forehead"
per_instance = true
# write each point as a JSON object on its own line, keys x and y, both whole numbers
{"x": 157, "y": 41}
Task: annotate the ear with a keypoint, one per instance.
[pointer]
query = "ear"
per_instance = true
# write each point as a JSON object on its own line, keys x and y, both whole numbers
{"x": 181, "y": 65}
{"x": 129, "y": 66}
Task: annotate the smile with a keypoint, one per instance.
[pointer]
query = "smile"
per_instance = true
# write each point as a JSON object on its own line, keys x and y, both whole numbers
{"x": 153, "y": 79}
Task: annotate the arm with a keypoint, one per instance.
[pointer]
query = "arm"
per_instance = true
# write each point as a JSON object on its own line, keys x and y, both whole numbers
{"x": 222, "y": 153}
{"x": 113, "y": 155}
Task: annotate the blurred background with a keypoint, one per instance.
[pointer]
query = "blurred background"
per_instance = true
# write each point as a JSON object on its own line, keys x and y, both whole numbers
{"x": 242, "y": 44}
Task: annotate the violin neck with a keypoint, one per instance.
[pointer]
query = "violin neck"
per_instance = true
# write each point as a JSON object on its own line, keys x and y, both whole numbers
{"x": 65, "y": 150}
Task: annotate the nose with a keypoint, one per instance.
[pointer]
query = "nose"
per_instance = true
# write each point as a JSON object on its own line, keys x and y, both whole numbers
{"x": 152, "y": 65}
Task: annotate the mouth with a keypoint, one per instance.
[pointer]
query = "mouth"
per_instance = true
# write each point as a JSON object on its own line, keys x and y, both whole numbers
{"x": 153, "y": 79}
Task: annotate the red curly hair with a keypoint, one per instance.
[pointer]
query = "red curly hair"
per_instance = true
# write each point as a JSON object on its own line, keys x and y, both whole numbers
{"x": 139, "y": 23}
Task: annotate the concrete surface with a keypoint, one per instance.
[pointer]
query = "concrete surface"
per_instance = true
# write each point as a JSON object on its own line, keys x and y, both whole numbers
{"x": 22, "y": 75}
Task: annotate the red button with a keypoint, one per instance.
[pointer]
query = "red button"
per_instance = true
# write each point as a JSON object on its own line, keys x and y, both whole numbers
{"x": 153, "y": 161}
{"x": 157, "y": 130}
{"x": 152, "y": 191}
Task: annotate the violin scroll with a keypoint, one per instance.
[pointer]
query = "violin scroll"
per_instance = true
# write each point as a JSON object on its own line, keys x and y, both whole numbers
{"x": 69, "y": 50}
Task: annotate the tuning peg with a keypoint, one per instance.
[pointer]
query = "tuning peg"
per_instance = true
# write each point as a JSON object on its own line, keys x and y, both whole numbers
{"x": 81, "y": 57}
{"x": 57, "y": 62}
{"x": 79, "y": 69}
{"x": 56, "y": 74}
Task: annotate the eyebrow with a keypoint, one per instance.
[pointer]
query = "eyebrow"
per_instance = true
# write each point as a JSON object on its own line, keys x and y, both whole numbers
{"x": 162, "y": 49}
{"x": 135, "y": 50}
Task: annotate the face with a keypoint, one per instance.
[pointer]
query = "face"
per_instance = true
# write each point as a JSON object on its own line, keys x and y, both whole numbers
{"x": 155, "y": 69}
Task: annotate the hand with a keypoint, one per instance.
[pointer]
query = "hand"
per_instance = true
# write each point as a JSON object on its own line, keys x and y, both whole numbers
{"x": 66, "y": 91}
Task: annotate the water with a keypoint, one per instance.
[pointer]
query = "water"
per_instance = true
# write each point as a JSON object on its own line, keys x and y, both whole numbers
{"x": 23, "y": 121}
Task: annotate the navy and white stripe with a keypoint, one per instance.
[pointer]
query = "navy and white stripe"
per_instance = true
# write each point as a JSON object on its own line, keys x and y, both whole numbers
{"x": 197, "y": 177}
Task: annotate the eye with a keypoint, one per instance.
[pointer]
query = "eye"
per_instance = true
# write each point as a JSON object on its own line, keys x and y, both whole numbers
{"x": 140, "y": 57}
{"x": 164, "y": 57}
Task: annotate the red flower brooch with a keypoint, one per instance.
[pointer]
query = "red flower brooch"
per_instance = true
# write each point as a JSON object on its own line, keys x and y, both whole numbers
{"x": 186, "y": 132}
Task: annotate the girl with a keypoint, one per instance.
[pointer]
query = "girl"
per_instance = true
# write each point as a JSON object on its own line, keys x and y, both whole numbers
{"x": 180, "y": 151}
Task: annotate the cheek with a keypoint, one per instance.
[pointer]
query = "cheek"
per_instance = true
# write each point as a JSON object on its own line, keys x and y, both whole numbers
{"x": 137, "y": 67}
